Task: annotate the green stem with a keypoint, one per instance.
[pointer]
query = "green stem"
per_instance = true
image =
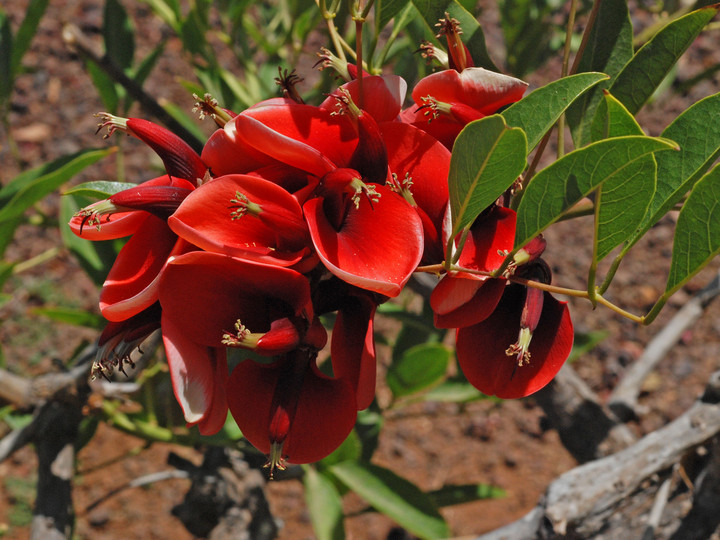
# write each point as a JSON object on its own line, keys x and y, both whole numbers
{"x": 586, "y": 36}
{"x": 36, "y": 260}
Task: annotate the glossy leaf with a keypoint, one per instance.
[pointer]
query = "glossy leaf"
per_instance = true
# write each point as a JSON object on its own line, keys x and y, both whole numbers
{"x": 645, "y": 71}
{"x": 28, "y": 188}
{"x": 433, "y": 10}
{"x": 487, "y": 158}
{"x": 609, "y": 48}
{"x": 621, "y": 202}
{"x": 99, "y": 189}
{"x": 697, "y": 236}
{"x": 324, "y": 504}
{"x": 349, "y": 450}
{"x": 107, "y": 90}
{"x": 564, "y": 183}
{"x": 118, "y": 34}
{"x": 393, "y": 496}
{"x": 537, "y": 112}
{"x": 464, "y": 493}
{"x": 699, "y": 142}
{"x": 420, "y": 367}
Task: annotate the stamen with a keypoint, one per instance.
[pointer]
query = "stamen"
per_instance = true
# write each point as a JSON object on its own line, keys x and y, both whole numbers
{"x": 242, "y": 206}
{"x": 288, "y": 81}
{"x": 237, "y": 339}
{"x": 520, "y": 349}
{"x": 275, "y": 460}
{"x": 112, "y": 123}
{"x": 208, "y": 107}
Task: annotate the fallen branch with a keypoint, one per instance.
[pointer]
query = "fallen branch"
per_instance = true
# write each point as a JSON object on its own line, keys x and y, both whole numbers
{"x": 581, "y": 500}
{"x": 624, "y": 398}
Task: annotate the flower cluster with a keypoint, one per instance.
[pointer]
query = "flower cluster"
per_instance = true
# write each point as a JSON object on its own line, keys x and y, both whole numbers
{"x": 293, "y": 211}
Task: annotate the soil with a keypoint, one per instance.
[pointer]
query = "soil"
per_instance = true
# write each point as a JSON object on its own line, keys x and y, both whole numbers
{"x": 503, "y": 444}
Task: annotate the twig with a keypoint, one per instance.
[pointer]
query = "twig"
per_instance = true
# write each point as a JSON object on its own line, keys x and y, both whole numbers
{"x": 75, "y": 39}
{"x": 661, "y": 499}
{"x": 587, "y": 429}
{"x": 581, "y": 500}
{"x": 624, "y": 399}
{"x": 137, "y": 482}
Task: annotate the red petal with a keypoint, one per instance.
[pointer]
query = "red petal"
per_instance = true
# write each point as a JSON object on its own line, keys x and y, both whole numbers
{"x": 118, "y": 225}
{"x": 377, "y": 248}
{"x": 481, "y": 348}
{"x": 205, "y": 220}
{"x": 491, "y": 236}
{"x": 199, "y": 377}
{"x": 323, "y": 417}
{"x": 206, "y": 293}
{"x": 459, "y": 302}
{"x": 225, "y": 153}
{"x": 483, "y": 90}
{"x": 131, "y": 285}
{"x": 383, "y": 96}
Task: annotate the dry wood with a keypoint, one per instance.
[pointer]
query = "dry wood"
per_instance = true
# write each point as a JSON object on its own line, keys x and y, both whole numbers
{"x": 624, "y": 399}
{"x": 580, "y": 501}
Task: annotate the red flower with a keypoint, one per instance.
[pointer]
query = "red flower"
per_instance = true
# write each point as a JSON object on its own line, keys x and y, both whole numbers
{"x": 501, "y": 359}
{"x": 447, "y": 100}
{"x": 289, "y": 409}
{"x": 463, "y": 299}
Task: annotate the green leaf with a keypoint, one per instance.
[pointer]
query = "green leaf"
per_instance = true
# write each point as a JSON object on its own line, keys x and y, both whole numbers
{"x": 528, "y": 30}
{"x": 584, "y": 342}
{"x": 487, "y": 158}
{"x": 99, "y": 189}
{"x": 645, "y": 71}
{"x": 349, "y": 450}
{"x": 537, "y": 112}
{"x": 28, "y": 188}
{"x": 561, "y": 185}
{"x": 324, "y": 504}
{"x": 393, "y": 496}
{"x": 433, "y": 10}
{"x": 168, "y": 11}
{"x": 118, "y": 34}
{"x": 77, "y": 317}
{"x": 455, "y": 391}
{"x": 147, "y": 64}
{"x": 420, "y": 367}
{"x": 699, "y": 142}
{"x": 464, "y": 493}
{"x": 385, "y": 10}
{"x": 608, "y": 49}
{"x": 6, "y": 270}
{"x": 697, "y": 235}
{"x": 368, "y": 426}
{"x": 621, "y": 202}
{"x": 109, "y": 93}
{"x": 7, "y": 232}
{"x": 6, "y": 48}
{"x": 33, "y": 14}
{"x": 186, "y": 121}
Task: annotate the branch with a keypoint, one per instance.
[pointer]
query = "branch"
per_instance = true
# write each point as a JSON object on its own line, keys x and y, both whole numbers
{"x": 587, "y": 429}
{"x": 624, "y": 398}
{"x": 581, "y": 500}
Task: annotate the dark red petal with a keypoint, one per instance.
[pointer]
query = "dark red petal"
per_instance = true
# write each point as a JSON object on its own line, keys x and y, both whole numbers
{"x": 179, "y": 158}
{"x": 199, "y": 377}
{"x": 206, "y": 293}
{"x": 131, "y": 285}
{"x": 321, "y": 420}
{"x": 353, "y": 347}
{"x": 481, "y": 348}
{"x": 376, "y": 248}
{"x": 459, "y": 302}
